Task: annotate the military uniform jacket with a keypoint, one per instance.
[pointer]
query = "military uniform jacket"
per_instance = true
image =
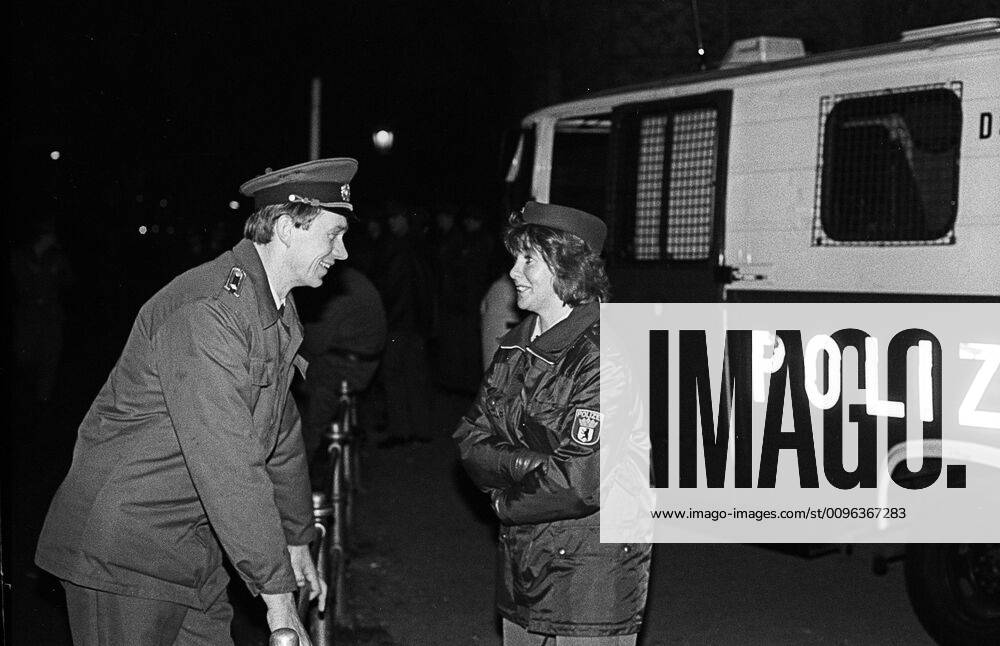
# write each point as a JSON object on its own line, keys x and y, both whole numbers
{"x": 191, "y": 442}
{"x": 554, "y": 575}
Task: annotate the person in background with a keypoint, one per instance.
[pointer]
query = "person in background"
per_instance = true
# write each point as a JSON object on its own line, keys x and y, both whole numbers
{"x": 192, "y": 447}
{"x": 457, "y": 264}
{"x": 532, "y": 442}
{"x": 366, "y": 241}
{"x": 408, "y": 294}
{"x": 40, "y": 271}
{"x": 498, "y": 313}
{"x": 478, "y": 258}
{"x": 345, "y": 332}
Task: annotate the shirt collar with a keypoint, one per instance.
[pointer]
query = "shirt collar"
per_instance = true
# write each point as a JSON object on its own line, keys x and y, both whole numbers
{"x": 557, "y": 339}
{"x": 278, "y": 303}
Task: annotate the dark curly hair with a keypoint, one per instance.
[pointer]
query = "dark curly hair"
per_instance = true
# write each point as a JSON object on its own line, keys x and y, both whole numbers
{"x": 578, "y": 271}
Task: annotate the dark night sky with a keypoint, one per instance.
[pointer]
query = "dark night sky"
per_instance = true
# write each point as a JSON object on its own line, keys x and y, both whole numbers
{"x": 186, "y": 100}
{"x": 192, "y": 98}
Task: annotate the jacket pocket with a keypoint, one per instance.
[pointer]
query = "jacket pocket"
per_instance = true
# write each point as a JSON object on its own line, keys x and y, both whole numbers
{"x": 261, "y": 376}
{"x": 592, "y": 583}
{"x": 211, "y": 554}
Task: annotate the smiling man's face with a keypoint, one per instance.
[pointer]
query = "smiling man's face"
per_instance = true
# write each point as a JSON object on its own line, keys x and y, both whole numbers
{"x": 312, "y": 251}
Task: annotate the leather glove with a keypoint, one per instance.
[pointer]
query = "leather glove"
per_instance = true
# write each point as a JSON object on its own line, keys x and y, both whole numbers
{"x": 496, "y": 496}
{"x": 520, "y": 462}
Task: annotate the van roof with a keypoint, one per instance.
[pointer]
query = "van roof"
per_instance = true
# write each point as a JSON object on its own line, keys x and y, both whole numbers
{"x": 990, "y": 32}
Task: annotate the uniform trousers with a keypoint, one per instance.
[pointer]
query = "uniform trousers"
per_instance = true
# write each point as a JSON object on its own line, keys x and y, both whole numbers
{"x": 98, "y": 618}
{"x": 515, "y": 635}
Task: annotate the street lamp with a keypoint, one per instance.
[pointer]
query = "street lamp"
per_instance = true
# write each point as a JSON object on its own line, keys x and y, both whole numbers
{"x": 383, "y": 140}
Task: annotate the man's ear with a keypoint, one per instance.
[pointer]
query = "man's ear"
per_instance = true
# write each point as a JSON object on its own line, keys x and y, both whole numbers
{"x": 283, "y": 227}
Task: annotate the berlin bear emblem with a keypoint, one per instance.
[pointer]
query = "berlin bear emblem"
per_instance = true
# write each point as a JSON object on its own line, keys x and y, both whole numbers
{"x": 586, "y": 427}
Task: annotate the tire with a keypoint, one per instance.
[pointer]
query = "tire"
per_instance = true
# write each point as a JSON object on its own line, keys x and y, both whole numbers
{"x": 955, "y": 591}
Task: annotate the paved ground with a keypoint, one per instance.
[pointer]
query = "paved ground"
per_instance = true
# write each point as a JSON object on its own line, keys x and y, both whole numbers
{"x": 429, "y": 578}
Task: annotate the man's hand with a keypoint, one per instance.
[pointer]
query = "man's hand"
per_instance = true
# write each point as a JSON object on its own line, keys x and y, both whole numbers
{"x": 305, "y": 572}
{"x": 281, "y": 613}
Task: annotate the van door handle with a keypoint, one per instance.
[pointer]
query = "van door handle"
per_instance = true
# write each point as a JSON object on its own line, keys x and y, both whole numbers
{"x": 726, "y": 274}
{"x": 747, "y": 276}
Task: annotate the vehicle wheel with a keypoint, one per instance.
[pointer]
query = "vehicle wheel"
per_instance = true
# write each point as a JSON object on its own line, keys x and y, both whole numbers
{"x": 955, "y": 591}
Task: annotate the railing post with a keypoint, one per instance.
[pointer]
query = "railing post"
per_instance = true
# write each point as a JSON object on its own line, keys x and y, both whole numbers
{"x": 320, "y": 626}
{"x": 283, "y": 637}
{"x": 339, "y": 440}
{"x": 351, "y": 464}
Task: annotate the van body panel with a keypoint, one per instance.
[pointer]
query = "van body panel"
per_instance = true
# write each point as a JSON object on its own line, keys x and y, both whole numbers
{"x": 772, "y": 231}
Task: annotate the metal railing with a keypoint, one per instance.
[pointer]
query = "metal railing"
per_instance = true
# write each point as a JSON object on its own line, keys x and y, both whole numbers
{"x": 333, "y": 515}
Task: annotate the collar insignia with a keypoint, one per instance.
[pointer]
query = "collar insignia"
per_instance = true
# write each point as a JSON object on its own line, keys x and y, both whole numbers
{"x": 235, "y": 281}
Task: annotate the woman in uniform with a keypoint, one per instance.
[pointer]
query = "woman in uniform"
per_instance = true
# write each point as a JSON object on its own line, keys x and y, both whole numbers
{"x": 532, "y": 442}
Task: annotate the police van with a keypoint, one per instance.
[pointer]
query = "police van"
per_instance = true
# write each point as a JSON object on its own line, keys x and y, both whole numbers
{"x": 863, "y": 174}
{"x": 870, "y": 174}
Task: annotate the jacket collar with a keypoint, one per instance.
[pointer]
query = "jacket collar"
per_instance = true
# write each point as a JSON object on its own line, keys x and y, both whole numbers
{"x": 249, "y": 260}
{"x": 557, "y": 339}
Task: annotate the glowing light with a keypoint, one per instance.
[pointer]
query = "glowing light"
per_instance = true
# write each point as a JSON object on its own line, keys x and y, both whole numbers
{"x": 234, "y": 205}
{"x": 701, "y": 51}
{"x": 143, "y": 230}
{"x": 383, "y": 140}
{"x": 55, "y": 155}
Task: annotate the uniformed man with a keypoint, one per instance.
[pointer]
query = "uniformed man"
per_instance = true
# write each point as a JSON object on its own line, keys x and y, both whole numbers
{"x": 192, "y": 447}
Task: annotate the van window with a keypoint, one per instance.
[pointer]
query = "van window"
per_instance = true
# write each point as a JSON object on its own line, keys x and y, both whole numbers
{"x": 580, "y": 164}
{"x": 675, "y": 185}
{"x": 888, "y": 167}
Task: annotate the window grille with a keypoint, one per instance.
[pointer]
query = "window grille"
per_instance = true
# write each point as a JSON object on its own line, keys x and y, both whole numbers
{"x": 692, "y": 185}
{"x": 649, "y": 189}
{"x": 887, "y": 167}
{"x": 675, "y": 188}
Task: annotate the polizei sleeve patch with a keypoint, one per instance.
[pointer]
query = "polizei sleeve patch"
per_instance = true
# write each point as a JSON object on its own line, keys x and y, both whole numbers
{"x": 586, "y": 427}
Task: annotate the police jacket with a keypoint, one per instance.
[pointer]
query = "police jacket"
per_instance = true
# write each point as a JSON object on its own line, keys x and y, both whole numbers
{"x": 554, "y": 575}
{"x": 191, "y": 442}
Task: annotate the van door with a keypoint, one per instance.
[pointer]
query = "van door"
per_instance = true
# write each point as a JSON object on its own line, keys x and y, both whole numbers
{"x": 580, "y": 163}
{"x": 667, "y": 199}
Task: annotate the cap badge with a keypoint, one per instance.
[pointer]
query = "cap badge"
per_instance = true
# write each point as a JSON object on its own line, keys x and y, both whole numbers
{"x": 345, "y": 192}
